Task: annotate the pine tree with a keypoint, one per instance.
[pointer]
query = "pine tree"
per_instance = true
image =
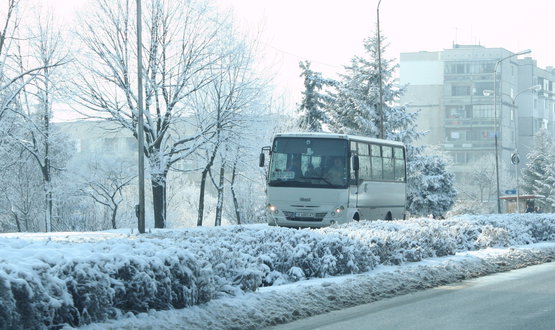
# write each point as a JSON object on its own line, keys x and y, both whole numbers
{"x": 354, "y": 110}
{"x": 549, "y": 185}
{"x": 538, "y": 176}
{"x": 430, "y": 188}
{"x": 312, "y": 114}
{"x": 355, "y": 106}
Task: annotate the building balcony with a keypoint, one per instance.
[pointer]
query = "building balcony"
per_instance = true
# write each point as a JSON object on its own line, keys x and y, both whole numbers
{"x": 463, "y": 123}
{"x": 467, "y": 145}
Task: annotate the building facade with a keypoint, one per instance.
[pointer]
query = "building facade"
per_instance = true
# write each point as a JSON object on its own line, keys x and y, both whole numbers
{"x": 453, "y": 90}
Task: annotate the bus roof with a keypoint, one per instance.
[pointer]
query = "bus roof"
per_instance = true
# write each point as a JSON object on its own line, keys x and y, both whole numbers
{"x": 338, "y": 136}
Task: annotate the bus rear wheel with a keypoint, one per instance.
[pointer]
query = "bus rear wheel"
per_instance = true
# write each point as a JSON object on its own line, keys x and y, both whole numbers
{"x": 388, "y": 216}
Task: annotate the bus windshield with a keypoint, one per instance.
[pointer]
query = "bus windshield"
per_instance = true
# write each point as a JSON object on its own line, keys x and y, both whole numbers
{"x": 309, "y": 162}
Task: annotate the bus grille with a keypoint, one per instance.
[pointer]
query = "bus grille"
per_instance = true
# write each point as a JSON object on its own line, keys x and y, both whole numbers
{"x": 317, "y": 217}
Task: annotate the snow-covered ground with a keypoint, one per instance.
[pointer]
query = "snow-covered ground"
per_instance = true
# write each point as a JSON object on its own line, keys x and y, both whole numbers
{"x": 249, "y": 276}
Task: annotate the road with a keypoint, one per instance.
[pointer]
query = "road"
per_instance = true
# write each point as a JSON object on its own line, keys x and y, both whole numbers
{"x": 520, "y": 299}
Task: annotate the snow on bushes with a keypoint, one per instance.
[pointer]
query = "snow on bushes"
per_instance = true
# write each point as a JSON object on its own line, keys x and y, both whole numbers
{"x": 47, "y": 283}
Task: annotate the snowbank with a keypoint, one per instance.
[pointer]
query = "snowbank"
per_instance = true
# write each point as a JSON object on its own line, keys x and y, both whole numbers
{"x": 72, "y": 279}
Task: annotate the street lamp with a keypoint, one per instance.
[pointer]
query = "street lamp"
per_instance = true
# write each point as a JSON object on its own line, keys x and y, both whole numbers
{"x": 514, "y": 157}
{"x": 527, "y": 51}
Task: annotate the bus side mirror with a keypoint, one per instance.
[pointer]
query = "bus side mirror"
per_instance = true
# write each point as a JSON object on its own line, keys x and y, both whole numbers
{"x": 355, "y": 163}
{"x": 261, "y": 159}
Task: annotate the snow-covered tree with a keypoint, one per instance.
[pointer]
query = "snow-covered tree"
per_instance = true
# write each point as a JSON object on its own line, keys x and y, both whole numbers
{"x": 181, "y": 41}
{"x": 538, "y": 176}
{"x": 34, "y": 103}
{"x": 223, "y": 107}
{"x": 9, "y": 80}
{"x": 482, "y": 176}
{"x": 21, "y": 195}
{"x": 247, "y": 180}
{"x": 355, "y": 106}
{"x": 354, "y": 103}
{"x": 355, "y": 110}
{"x": 312, "y": 107}
{"x": 430, "y": 187}
{"x": 104, "y": 180}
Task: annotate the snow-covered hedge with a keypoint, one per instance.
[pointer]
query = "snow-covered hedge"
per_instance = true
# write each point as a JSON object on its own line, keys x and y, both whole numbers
{"x": 48, "y": 283}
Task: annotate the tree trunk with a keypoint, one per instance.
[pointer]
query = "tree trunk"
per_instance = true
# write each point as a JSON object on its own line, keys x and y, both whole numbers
{"x": 203, "y": 186}
{"x": 48, "y": 207}
{"x": 17, "y": 222}
{"x": 114, "y": 213}
{"x": 220, "y": 205}
{"x": 201, "y": 196}
{"x": 234, "y": 195}
{"x": 159, "y": 200}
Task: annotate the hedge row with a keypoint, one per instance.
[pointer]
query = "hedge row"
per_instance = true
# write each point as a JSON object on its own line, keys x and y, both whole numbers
{"x": 48, "y": 284}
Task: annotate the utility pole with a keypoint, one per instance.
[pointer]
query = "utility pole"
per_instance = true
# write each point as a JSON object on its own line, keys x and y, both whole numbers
{"x": 140, "y": 122}
{"x": 380, "y": 105}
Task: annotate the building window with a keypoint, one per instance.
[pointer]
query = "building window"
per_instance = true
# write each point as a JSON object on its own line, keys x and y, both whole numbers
{"x": 483, "y": 111}
{"x": 460, "y": 90}
{"x": 457, "y": 68}
{"x": 459, "y": 111}
{"x": 481, "y": 134}
{"x": 456, "y": 135}
{"x": 487, "y": 67}
{"x": 460, "y": 157}
{"x": 480, "y": 87}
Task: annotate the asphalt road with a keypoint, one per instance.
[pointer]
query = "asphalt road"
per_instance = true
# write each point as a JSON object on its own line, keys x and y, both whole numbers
{"x": 519, "y": 299}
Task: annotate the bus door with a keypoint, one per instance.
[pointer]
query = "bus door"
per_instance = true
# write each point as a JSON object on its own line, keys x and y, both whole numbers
{"x": 354, "y": 178}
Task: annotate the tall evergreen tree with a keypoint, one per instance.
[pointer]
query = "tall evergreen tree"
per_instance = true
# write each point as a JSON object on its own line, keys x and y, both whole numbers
{"x": 538, "y": 176}
{"x": 431, "y": 187}
{"x": 312, "y": 108}
{"x": 355, "y": 110}
{"x": 356, "y": 101}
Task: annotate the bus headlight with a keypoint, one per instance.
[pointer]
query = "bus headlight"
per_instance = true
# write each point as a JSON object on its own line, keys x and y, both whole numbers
{"x": 337, "y": 211}
{"x": 272, "y": 208}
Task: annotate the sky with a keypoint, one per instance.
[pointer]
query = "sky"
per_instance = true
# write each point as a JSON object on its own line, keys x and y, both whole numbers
{"x": 330, "y": 32}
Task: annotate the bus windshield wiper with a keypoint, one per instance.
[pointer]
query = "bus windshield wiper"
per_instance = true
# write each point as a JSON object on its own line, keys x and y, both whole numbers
{"x": 286, "y": 183}
{"x": 321, "y": 178}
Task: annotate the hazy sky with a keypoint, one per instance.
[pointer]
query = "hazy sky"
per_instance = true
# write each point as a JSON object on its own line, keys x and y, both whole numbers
{"x": 330, "y": 32}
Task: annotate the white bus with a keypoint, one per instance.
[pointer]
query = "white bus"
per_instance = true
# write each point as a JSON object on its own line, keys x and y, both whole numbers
{"x": 319, "y": 179}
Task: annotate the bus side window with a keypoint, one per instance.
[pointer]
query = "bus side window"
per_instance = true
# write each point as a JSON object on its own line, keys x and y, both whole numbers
{"x": 377, "y": 165}
{"x": 353, "y": 147}
{"x": 399, "y": 164}
{"x": 387, "y": 153}
{"x": 388, "y": 169}
{"x": 364, "y": 161}
{"x": 354, "y": 152}
{"x": 364, "y": 172}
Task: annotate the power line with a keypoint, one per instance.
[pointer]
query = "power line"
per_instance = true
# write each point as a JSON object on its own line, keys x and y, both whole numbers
{"x": 301, "y": 57}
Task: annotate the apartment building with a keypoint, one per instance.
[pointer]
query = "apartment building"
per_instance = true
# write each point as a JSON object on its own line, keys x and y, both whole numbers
{"x": 92, "y": 138}
{"x": 453, "y": 90}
